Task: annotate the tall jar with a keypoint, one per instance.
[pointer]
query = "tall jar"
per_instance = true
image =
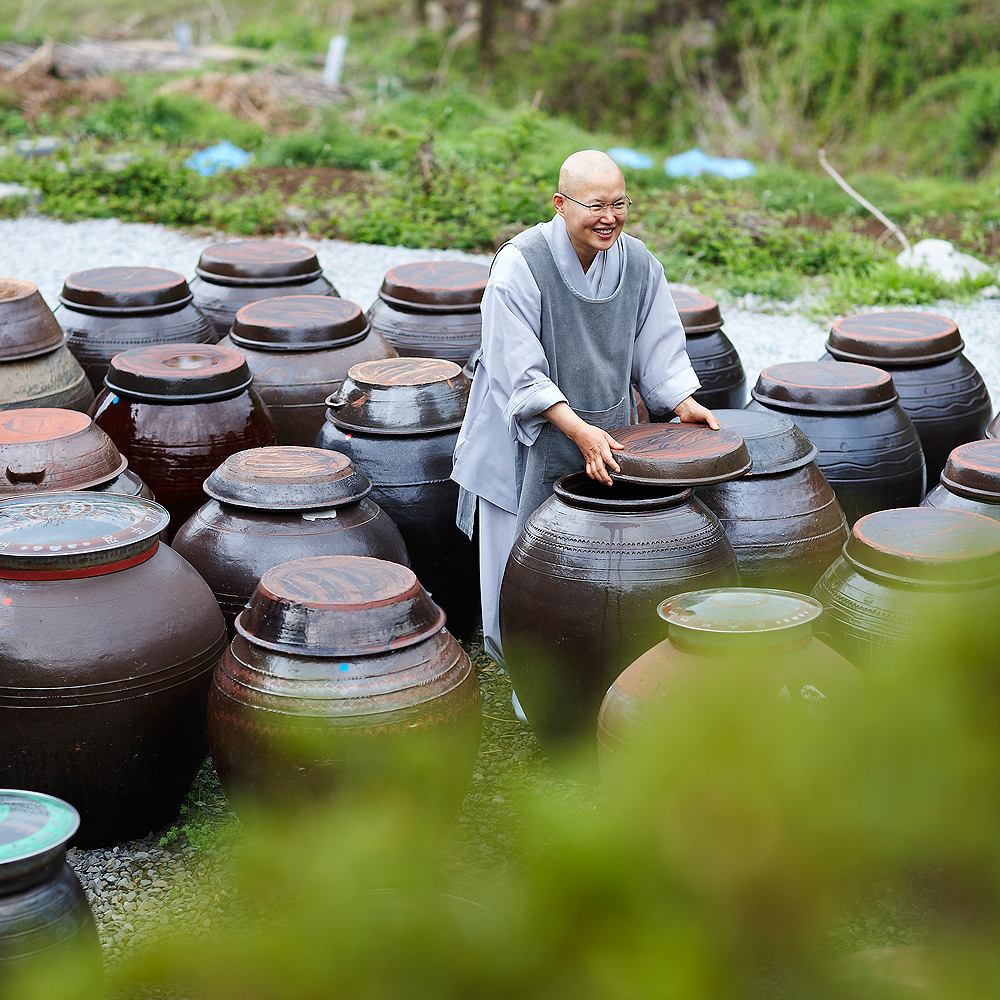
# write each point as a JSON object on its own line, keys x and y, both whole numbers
{"x": 108, "y": 310}
{"x": 579, "y": 595}
{"x": 36, "y": 367}
{"x": 105, "y": 660}
{"x": 939, "y": 389}
{"x": 430, "y": 309}
{"x": 342, "y": 675}
{"x": 970, "y": 480}
{"x": 177, "y": 413}
{"x": 273, "y": 505}
{"x": 869, "y": 450}
{"x": 299, "y": 349}
{"x": 398, "y": 421}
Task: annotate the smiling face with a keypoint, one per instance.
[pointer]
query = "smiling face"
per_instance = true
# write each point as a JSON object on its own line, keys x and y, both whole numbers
{"x": 590, "y": 177}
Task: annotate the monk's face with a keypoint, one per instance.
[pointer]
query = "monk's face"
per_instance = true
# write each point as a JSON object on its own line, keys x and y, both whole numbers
{"x": 587, "y": 232}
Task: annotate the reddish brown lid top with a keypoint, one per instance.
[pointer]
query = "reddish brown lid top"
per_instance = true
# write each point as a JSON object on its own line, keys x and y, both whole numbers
{"x": 926, "y": 545}
{"x": 973, "y": 470}
{"x": 334, "y": 606}
{"x": 27, "y": 326}
{"x": 258, "y": 262}
{"x": 825, "y": 387}
{"x": 894, "y": 338}
{"x": 126, "y": 289}
{"x": 679, "y": 454}
{"x": 698, "y": 313}
{"x": 299, "y": 322}
{"x": 179, "y": 373}
{"x": 435, "y": 286}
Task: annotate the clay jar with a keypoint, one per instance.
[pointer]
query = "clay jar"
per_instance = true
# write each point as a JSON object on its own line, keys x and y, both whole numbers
{"x": 765, "y": 634}
{"x": 299, "y": 349}
{"x": 939, "y": 389}
{"x": 782, "y": 517}
{"x": 398, "y": 421}
{"x": 231, "y": 275}
{"x": 869, "y": 450}
{"x": 272, "y": 505}
{"x": 970, "y": 480}
{"x": 36, "y": 367}
{"x": 177, "y": 413}
{"x": 342, "y": 675}
{"x": 579, "y": 595}
{"x": 108, "y": 310}
{"x": 106, "y": 654}
{"x": 44, "y": 911}
{"x": 905, "y": 570}
{"x": 431, "y": 309}
{"x": 993, "y": 431}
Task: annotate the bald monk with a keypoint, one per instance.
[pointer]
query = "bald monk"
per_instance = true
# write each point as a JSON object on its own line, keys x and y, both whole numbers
{"x": 574, "y": 314}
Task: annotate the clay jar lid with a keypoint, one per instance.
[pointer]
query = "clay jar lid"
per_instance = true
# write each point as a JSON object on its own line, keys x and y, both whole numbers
{"x": 926, "y": 545}
{"x": 287, "y": 478}
{"x": 27, "y": 326}
{"x": 333, "y": 606}
{"x": 775, "y": 443}
{"x": 894, "y": 338}
{"x": 125, "y": 290}
{"x": 679, "y": 455}
{"x": 299, "y": 323}
{"x": 399, "y": 396}
{"x": 34, "y": 828}
{"x": 258, "y": 262}
{"x": 698, "y": 313}
{"x": 58, "y": 536}
{"x": 823, "y": 387}
{"x": 179, "y": 373}
{"x": 435, "y": 286}
{"x": 973, "y": 470}
{"x": 45, "y": 449}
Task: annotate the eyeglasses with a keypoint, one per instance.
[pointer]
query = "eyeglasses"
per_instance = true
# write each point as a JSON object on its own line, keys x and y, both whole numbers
{"x": 598, "y": 208}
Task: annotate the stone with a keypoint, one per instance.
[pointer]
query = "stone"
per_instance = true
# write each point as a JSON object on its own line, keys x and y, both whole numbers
{"x": 939, "y": 257}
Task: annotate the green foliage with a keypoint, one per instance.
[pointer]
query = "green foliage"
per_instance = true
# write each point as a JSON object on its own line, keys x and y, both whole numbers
{"x": 334, "y": 144}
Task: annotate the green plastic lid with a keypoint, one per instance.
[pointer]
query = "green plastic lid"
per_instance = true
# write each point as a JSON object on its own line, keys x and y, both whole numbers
{"x": 32, "y": 823}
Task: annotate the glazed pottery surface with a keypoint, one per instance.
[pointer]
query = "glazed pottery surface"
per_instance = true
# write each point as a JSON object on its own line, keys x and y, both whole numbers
{"x": 27, "y": 326}
{"x": 678, "y": 454}
{"x": 993, "y": 431}
{"x": 108, "y": 310}
{"x": 107, "y": 710}
{"x": 579, "y": 596}
{"x": 970, "y": 480}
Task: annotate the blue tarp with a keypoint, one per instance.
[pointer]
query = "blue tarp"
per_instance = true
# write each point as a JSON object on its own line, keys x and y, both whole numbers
{"x": 630, "y": 158}
{"x": 695, "y": 162}
{"x": 223, "y": 156}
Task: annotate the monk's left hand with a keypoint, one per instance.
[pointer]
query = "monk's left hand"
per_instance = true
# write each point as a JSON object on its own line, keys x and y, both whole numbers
{"x": 691, "y": 412}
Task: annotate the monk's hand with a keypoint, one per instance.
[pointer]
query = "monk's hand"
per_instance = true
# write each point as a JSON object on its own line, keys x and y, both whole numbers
{"x": 691, "y": 412}
{"x": 597, "y": 446}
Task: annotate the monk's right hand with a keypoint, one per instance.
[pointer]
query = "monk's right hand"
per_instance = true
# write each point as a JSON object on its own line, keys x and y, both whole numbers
{"x": 597, "y": 446}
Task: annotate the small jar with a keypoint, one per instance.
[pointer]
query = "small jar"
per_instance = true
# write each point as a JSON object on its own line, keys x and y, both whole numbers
{"x": 970, "y": 481}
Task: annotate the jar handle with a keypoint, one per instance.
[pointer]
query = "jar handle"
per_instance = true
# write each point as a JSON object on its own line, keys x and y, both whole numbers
{"x": 34, "y": 477}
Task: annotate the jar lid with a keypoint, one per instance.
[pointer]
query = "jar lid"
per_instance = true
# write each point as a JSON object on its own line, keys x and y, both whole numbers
{"x": 299, "y": 322}
{"x": 333, "y": 606}
{"x": 133, "y": 290}
{"x": 926, "y": 545}
{"x": 774, "y": 441}
{"x": 698, "y": 313}
{"x": 287, "y": 477}
{"x": 823, "y": 387}
{"x": 27, "y": 326}
{"x": 33, "y": 823}
{"x": 435, "y": 286}
{"x": 61, "y": 536}
{"x": 399, "y": 396}
{"x": 258, "y": 262}
{"x": 973, "y": 470}
{"x": 894, "y": 338}
{"x": 44, "y": 449}
{"x": 179, "y": 373}
{"x": 739, "y": 610}
{"x": 679, "y": 454}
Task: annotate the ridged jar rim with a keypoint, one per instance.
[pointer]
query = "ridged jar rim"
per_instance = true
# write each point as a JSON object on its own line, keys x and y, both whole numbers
{"x": 659, "y": 496}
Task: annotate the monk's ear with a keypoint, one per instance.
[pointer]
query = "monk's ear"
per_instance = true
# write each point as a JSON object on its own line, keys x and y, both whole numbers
{"x": 558, "y": 203}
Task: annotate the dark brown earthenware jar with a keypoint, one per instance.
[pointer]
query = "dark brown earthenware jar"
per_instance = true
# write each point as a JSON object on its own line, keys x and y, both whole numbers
{"x": 343, "y": 673}
{"x": 993, "y": 431}
{"x": 36, "y": 367}
{"x": 431, "y": 309}
{"x": 869, "y": 450}
{"x": 299, "y": 349}
{"x": 970, "y": 480}
{"x": 782, "y": 517}
{"x": 44, "y": 911}
{"x": 579, "y": 596}
{"x": 108, "y": 310}
{"x": 177, "y": 413}
{"x": 905, "y": 570}
{"x": 105, "y": 660}
{"x": 939, "y": 389}
{"x": 398, "y": 421}
{"x": 231, "y": 275}
{"x": 272, "y": 505}
{"x": 765, "y": 634}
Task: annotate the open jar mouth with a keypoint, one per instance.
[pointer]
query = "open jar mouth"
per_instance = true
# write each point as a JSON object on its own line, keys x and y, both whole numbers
{"x": 579, "y": 490}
